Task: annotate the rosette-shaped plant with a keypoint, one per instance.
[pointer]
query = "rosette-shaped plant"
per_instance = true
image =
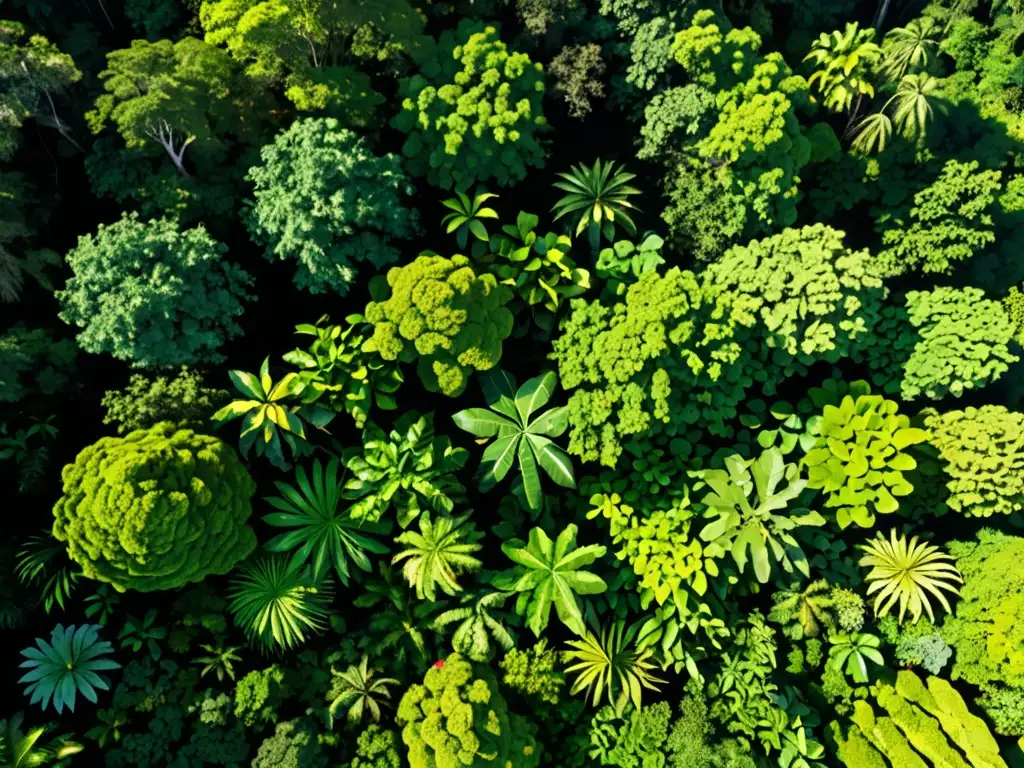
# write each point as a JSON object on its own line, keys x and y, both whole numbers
{"x": 983, "y": 452}
{"x": 459, "y": 718}
{"x": 806, "y": 289}
{"x": 441, "y": 312}
{"x": 475, "y": 112}
{"x": 964, "y": 342}
{"x": 155, "y": 509}
{"x": 859, "y": 458}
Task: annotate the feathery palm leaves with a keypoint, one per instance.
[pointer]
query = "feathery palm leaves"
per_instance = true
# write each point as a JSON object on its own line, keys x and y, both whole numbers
{"x": 25, "y": 749}
{"x": 598, "y": 197}
{"x": 472, "y": 637}
{"x": 358, "y": 691}
{"x": 809, "y": 608}
{"x": 844, "y": 61}
{"x": 66, "y": 666}
{"x": 277, "y": 603}
{"x": 908, "y": 572}
{"x": 319, "y": 529}
{"x": 44, "y": 560}
{"x": 909, "y": 47}
{"x": 612, "y": 662}
{"x": 912, "y": 108}
{"x": 438, "y": 553}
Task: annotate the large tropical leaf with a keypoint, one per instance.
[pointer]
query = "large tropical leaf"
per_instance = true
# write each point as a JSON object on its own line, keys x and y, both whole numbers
{"x": 436, "y": 555}
{"x": 551, "y": 574}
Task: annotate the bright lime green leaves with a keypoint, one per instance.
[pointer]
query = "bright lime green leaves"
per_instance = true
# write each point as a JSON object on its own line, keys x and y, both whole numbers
{"x": 845, "y": 64}
{"x": 552, "y": 574}
{"x": 475, "y": 113}
{"x": 438, "y": 553}
{"x": 443, "y": 314}
{"x": 859, "y": 458}
{"x": 465, "y": 218}
{"x": 519, "y": 437}
{"x": 908, "y": 573}
{"x": 271, "y": 414}
{"x": 611, "y": 663}
{"x": 754, "y": 522}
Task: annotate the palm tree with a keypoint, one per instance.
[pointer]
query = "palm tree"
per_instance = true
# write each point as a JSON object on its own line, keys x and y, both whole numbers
{"x": 611, "y": 662}
{"x": 908, "y": 573}
{"x": 909, "y": 47}
{"x": 598, "y": 197}
{"x": 845, "y": 61}
{"x": 438, "y": 553}
{"x": 356, "y": 691}
{"x": 219, "y": 659}
{"x": 278, "y": 602}
{"x": 913, "y": 109}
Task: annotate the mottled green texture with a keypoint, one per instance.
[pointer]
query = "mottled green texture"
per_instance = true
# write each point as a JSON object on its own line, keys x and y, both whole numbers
{"x": 632, "y": 364}
{"x": 441, "y": 312}
{"x": 293, "y": 745}
{"x": 32, "y": 362}
{"x": 964, "y": 342}
{"x": 153, "y": 294}
{"x": 983, "y": 452}
{"x": 950, "y": 221}
{"x": 155, "y": 509}
{"x": 475, "y": 112}
{"x": 324, "y": 199}
{"x": 182, "y": 399}
{"x": 805, "y": 287}
{"x": 986, "y": 629}
{"x": 459, "y": 718}
{"x": 534, "y": 672}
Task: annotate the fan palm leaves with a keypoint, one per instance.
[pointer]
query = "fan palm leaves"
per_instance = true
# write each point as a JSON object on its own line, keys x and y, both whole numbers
{"x": 358, "y": 691}
{"x": 810, "y": 608}
{"x": 438, "y": 553}
{"x": 597, "y": 198}
{"x": 320, "y": 530}
{"x": 26, "y": 749}
{"x": 912, "y": 108}
{"x": 478, "y": 626}
{"x": 611, "y": 663}
{"x": 279, "y": 603}
{"x": 910, "y": 47}
{"x": 518, "y": 435}
{"x": 845, "y": 62}
{"x": 67, "y": 665}
{"x": 466, "y": 214}
{"x": 908, "y": 573}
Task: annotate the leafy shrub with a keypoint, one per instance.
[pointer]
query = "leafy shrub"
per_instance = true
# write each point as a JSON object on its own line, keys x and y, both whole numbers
{"x": 155, "y": 509}
{"x": 534, "y": 672}
{"x": 66, "y": 666}
{"x": 983, "y": 454}
{"x": 963, "y": 342}
{"x": 153, "y": 294}
{"x": 808, "y": 291}
{"x": 31, "y": 360}
{"x": 474, "y": 113}
{"x": 145, "y": 402}
{"x": 859, "y": 456}
{"x": 443, "y": 314}
{"x": 293, "y": 745}
{"x": 324, "y": 199}
{"x": 459, "y": 717}
{"x": 377, "y": 747}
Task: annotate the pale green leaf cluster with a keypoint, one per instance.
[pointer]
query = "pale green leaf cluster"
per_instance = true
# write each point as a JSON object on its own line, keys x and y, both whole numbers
{"x": 806, "y": 289}
{"x": 859, "y": 456}
{"x": 155, "y": 509}
{"x": 443, "y": 314}
{"x": 475, "y": 113}
{"x": 983, "y": 454}
{"x": 326, "y": 201}
{"x": 153, "y": 294}
{"x": 964, "y": 342}
{"x": 534, "y": 672}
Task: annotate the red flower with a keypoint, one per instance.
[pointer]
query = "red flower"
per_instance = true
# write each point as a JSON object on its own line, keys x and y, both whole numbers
{"x": 438, "y": 664}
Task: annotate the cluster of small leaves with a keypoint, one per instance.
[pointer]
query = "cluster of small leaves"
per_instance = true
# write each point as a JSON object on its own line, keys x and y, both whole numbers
{"x": 144, "y": 402}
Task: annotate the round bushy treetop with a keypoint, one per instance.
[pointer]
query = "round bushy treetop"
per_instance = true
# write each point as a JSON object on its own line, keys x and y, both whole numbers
{"x": 475, "y": 112}
{"x": 983, "y": 451}
{"x": 153, "y": 294}
{"x": 805, "y": 287}
{"x": 963, "y": 345}
{"x": 986, "y": 629}
{"x": 324, "y": 199}
{"x": 633, "y": 364}
{"x": 155, "y": 509}
{"x": 443, "y": 313}
{"x": 458, "y": 718}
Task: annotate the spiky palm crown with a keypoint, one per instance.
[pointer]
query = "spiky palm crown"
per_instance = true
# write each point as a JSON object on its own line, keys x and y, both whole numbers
{"x": 908, "y": 573}
{"x": 358, "y": 691}
{"x": 599, "y": 196}
{"x": 438, "y": 553}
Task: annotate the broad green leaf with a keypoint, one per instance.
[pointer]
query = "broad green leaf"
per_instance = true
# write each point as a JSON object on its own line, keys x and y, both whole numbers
{"x": 553, "y": 460}
{"x": 530, "y": 475}
{"x": 484, "y": 423}
{"x": 534, "y": 394}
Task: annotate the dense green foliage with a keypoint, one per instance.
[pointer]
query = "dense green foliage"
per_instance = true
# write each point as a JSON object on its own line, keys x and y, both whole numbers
{"x": 625, "y": 383}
